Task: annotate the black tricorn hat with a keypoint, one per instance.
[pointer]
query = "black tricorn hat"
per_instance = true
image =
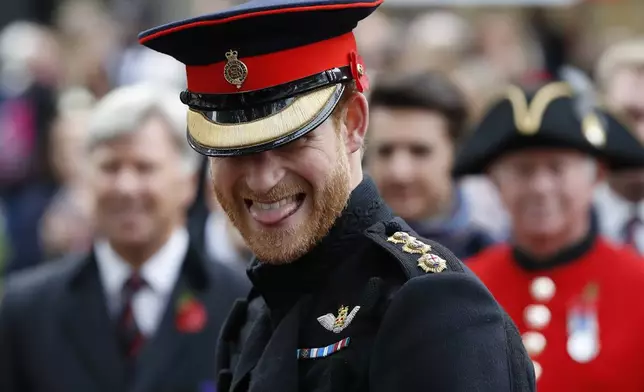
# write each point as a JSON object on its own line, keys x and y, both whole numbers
{"x": 550, "y": 117}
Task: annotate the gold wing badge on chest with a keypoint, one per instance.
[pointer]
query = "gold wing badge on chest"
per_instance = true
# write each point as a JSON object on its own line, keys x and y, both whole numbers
{"x": 428, "y": 262}
{"x": 338, "y": 323}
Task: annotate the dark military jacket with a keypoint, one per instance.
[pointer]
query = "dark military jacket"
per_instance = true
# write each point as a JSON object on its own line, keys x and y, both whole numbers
{"x": 369, "y": 309}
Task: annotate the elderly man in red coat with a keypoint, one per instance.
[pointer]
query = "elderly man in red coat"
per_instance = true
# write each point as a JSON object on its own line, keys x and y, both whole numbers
{"x": 575, "y": 297}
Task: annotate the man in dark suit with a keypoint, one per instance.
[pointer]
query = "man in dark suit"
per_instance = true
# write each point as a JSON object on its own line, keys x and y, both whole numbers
{"x": 143, "y": 311}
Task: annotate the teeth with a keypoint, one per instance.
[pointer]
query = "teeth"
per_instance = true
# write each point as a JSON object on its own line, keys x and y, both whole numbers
{"x": 276, "y": 205}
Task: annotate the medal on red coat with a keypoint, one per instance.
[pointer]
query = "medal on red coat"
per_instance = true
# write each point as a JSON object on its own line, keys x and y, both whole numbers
{"x": 583, "y": 327}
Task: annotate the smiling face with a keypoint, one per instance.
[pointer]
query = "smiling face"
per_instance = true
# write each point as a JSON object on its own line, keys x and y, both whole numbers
{"x": 410, "y": 158}
{"x": 284, "y": 201}
{"x": 141, "y": 188}
{"x": 548, "y": 193}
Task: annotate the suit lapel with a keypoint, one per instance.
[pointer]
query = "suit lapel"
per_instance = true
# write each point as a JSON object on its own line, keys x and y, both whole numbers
{"x": 165, "y": 347}
{"x": 87, "y": 325}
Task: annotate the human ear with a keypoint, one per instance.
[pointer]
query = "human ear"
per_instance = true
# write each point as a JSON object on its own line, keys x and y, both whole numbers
{"x": 355, "y": 121}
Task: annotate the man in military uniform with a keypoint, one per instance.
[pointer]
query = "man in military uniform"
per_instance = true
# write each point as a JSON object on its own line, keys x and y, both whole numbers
{"x": 575, "y": 297}
{"x": 346, "y": 297}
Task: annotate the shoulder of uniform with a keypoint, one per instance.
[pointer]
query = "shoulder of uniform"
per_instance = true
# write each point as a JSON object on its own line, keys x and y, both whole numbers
{"x": 416, "y": 255}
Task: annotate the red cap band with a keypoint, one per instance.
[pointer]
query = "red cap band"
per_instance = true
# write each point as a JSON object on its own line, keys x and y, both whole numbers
{"x": 274, "y": 69}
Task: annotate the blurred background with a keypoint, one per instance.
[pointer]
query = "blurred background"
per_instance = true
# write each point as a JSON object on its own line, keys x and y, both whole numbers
{"x": 57, "y": 58}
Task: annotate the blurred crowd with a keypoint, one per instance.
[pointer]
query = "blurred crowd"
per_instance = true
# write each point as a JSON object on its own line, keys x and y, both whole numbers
{"x": 55, "y": 68}
{"x": 58, "y": 62}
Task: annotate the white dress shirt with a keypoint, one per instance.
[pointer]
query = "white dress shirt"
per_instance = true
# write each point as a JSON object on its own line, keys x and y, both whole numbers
{"x": 613, "y": 213}
{"x": 160, "y": 272}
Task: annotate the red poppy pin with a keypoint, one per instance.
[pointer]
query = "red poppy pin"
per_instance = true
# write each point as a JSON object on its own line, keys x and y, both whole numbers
{"x": 191, "y": 314}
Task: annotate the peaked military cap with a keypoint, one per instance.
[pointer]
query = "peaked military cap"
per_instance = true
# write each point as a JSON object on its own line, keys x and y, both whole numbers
{"x": 552, "y": 117}
{"x": 266, "y": 72}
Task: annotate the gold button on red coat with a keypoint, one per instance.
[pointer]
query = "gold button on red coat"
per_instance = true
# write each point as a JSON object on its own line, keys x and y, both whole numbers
{"x": 537, "y": 316}
{"x": 542, "y": 289}
{"x": 534, "y": 343}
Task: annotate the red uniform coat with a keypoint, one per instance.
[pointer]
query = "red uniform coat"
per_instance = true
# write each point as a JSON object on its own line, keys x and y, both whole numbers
{"x": 614, "y": 275}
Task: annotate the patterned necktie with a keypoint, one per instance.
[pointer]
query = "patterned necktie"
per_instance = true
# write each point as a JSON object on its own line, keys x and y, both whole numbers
{"x": 130, "y": 337}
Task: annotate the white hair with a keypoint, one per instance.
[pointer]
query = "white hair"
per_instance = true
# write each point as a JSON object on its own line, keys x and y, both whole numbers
{"x": 123, "y": 110}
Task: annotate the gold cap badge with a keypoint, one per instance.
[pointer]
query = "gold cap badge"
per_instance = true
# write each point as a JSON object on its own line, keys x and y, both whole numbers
{"x": 235, "y": 71}
{"x": 593, "y": 130}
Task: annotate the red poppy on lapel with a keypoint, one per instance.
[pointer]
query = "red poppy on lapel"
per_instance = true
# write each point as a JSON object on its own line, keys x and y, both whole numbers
{"x": 191, "y": 314}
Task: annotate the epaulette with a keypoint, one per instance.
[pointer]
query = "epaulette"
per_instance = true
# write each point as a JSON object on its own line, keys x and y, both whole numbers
{"x": 417, "y": 256}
